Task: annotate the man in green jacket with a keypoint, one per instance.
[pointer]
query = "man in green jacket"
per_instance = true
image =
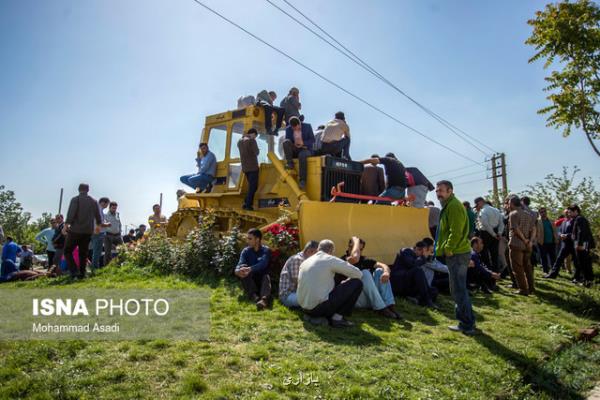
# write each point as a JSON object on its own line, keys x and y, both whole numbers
{"x": 453, "y": 244}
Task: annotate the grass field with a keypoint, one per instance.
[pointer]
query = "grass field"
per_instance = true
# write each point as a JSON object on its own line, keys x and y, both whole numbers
{"x": 527, "y": 350}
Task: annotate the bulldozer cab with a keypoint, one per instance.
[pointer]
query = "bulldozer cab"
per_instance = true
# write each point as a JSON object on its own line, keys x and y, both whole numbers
{"x": 222, "y": 133}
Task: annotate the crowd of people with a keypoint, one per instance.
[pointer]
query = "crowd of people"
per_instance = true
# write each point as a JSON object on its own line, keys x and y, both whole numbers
{"x": 394, "y": 182}
{"x": 89, "y": 236}
{"x": 472, "y": 249}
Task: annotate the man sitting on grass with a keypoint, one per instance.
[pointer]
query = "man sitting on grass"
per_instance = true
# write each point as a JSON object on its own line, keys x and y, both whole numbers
{"x": 408, "y": 278}
{"x": 478, "y": 275}
{"x": 253, "y": 270}
{"x": 317, "y": 294}
{"x": 435, "y": 271}
{"x": 288, "y": 279}
{"x": 377, "y": 290}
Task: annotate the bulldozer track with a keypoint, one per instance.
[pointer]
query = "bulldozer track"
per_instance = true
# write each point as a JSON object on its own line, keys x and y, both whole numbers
{"x": 241, "y": 218}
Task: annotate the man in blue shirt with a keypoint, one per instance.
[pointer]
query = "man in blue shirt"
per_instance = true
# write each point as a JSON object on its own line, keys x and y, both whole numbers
{"x": 253, "y": 270}
{"x": 10, "y": 251}
{"x": 207, "y": 169}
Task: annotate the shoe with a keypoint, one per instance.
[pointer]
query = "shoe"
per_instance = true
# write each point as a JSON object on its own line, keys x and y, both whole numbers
{"x": 341, "y": 323}
{"x": 254, "y": 298}
{"x": 248, "y": 208}
{"x": 432, "y": 305}
{"x": 316, "y": 320}
{"x": 386, "y": 313}
{"x": 289, "y": 166}
{"x": 521, "y": 292}
{"x": 412, "y": 300}
{"x": 588, "y": 284}
{"x": 302, "y": 185}
{"x": 470, "y": 332}
{"x": 550, "y": 276}
{"x": 485, "y": 290}
{"x": 396, "y": 313}
{"x": 262, "y": 304}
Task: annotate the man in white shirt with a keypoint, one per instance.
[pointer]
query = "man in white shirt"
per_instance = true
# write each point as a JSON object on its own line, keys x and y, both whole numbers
{"x": 317, "y": 294}
{"x": 489, "y": 227}
{"x": 335, "y": 139}
{"x": 45, "y": 237}
{"x": 112, "y": 231}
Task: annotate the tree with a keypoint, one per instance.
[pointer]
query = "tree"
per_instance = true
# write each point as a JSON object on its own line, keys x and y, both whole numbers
{"x": 558, "y": 192}
{"x": 12, "y": 217}
{"x": 16, "y": 223}
{"x": 570, "y": 34}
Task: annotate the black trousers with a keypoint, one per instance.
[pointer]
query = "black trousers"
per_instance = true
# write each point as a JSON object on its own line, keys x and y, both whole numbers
{"x": 50, "y": 255}
{"x": 302, "y": 153}
{"x": 252, "y": 178}
{"x": 548, "y": 255}
{"x": 341, "y": 300}
{"x": 82, "y": 241}
{"x": 269, "y": 114}
{"x": 413, "y": 283}
{"x": 257, "y": 285}
{"x": 489, "y": 255}
{"x": 583, "y": 267}
{"x": 566, "y": 249}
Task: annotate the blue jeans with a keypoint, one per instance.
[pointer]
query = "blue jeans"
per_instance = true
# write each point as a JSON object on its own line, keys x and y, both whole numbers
{"x": 457, "y": 267}
{"x": 291, "y": 300}
{"x": 194, "y": 181}
{"x": 395, "y": 192}
{"x": 375, "y": 295}
{"x": 97, "y": 241}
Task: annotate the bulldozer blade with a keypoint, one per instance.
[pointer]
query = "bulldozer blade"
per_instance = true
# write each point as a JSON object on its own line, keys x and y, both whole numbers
{"x": 385, "y": 229}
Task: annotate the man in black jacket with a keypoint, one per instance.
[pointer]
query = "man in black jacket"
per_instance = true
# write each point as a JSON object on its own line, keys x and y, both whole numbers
{"x": 79, "y": 226}
{"x": 408, "y": 278}
{"x": 567, "y": 247}
{"x": 584, "y": 243}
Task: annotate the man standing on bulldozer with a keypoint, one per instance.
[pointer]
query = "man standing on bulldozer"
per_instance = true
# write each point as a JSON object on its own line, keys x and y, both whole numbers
{"x": 249, "y": 158}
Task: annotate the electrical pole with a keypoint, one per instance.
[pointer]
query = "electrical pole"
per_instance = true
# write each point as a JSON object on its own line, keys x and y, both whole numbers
{"x": 498, "y": 168}
{"x": 60, "y": 201}
{"x": 503, "y": 171}
{"x": 495, "y": 197}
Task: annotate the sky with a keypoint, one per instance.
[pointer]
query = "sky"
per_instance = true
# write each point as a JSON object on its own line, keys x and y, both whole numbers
{"x": 114, "y": 93}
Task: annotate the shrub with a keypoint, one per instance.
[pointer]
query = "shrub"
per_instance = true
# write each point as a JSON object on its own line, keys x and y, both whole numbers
{"x": 283, "y": 240}
{"x": 201, "y": 254}
{"x": 228, "y": 252}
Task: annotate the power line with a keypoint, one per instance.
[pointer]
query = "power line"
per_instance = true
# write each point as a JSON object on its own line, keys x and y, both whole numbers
{"x": 456, "y": 169}
{"x": 467, "y": 174}
{"x": 333, "y": 83}
{"x": 357, "y": 60}
{"x": 473, "y": 181}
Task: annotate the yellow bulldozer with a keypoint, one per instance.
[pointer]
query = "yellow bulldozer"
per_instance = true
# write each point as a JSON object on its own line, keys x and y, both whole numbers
{"x": 384, "y": 228}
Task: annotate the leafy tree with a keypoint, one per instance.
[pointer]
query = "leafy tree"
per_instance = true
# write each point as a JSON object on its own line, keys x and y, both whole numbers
{"x": 17, "y": 223}
{"x": 12, "y": 217}
{"x": 569, "y": 33}
{"x": 558, "y": 192}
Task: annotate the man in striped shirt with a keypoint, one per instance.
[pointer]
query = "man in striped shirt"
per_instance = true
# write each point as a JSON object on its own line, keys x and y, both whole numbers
{"x": 288, "y": 279}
